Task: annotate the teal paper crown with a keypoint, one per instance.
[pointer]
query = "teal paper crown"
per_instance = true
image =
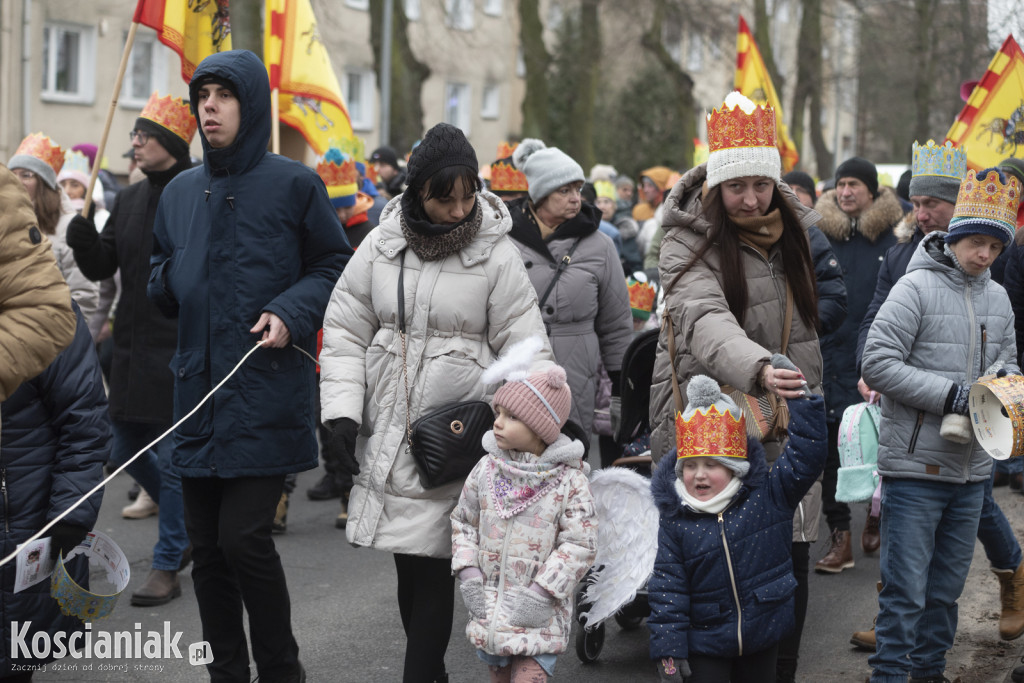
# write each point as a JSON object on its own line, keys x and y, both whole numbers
{"x": 946, "y": 161}
{"x": 76, "y": 161}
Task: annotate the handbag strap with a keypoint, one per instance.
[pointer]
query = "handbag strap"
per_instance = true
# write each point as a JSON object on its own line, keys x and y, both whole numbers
{"x": 401, "y": 335}
{"x": 562, "y": 265}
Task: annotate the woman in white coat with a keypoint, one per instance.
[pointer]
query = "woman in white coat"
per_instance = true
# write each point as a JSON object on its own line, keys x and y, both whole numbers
{"x": 467, "y": 297}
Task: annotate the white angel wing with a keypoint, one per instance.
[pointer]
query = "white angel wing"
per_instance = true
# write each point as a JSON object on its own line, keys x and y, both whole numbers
{"x": 627, "y": 541}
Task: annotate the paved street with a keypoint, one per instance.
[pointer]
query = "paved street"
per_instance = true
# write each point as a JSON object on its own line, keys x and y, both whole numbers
{"x": 346, "y": 618}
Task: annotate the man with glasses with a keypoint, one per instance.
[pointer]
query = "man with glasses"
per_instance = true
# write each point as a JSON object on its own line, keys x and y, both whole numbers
{"x": 141, "y": 383}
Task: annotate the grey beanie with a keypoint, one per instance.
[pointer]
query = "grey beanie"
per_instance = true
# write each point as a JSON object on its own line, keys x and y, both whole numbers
{"x": 702, "y": 393}
{"x": 37, "y": 166}
{"x": 546, "y": 168}
{"x": 940, "y": 187}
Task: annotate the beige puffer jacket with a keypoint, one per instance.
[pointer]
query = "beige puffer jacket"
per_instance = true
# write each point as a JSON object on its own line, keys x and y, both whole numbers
{"x": 552, "y": 541}
{"x": 709, "y": 340}
{"x": 461, "y": 312}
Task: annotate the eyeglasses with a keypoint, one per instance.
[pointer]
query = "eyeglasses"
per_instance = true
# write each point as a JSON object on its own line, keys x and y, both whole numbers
{"x": 142, "y": 135}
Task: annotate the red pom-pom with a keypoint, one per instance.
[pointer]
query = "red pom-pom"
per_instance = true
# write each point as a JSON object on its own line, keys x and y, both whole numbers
{"x": 556, "y": 376}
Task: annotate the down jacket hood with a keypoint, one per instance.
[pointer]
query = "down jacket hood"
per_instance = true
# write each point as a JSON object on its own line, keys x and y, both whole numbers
{"x": 563, "y": 451}
{"x": 931, "y": 255}
{"x": 884, "y": 213}
{"x": 663, "y": 483}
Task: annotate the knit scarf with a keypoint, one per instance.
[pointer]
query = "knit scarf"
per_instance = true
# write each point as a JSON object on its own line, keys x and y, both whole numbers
{"x": 515, "y": 485}
{"x": 435, "y": 244}
{"x": 716, "y": 504}
{"x": 760, "y": 232}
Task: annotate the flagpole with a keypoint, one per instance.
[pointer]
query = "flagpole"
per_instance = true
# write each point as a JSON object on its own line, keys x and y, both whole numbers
{"x": 110, "y": 116}
{"x": 275, "y": 129}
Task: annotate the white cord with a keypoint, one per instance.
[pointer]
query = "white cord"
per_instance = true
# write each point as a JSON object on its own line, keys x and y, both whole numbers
{"x": 130, "y": 460}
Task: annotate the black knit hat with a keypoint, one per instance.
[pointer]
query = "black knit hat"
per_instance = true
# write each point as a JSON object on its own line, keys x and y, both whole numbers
{"x": 861, "y": 169}
{"x": 1013, "y": 166}
{"x": 444, "y": 145}
{"x": 384, "y": 155}
{"x": 801, "y": 180}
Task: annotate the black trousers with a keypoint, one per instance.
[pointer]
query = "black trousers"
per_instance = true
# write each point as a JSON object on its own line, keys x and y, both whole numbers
{"x": 789, "y": 647}
{"x": 426, "y": 601}
{"x": 236, "y": 564}
{"x": 758, "y": 667}
{"x": 836, "y": 514}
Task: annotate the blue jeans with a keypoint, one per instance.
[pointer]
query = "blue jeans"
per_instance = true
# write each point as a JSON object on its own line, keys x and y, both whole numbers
{"x": 1009, "y": 466}
{"x": 995, "y": 534}
{"x": 928, "y": 530}
{"x": 155, "y": 473}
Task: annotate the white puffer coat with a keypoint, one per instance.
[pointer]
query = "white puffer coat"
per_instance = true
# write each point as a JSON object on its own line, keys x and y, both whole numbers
{"x": 461, "y": 312}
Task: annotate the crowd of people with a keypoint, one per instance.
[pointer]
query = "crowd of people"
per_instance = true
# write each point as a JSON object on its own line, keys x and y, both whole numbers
{"x": 368, "y": 294}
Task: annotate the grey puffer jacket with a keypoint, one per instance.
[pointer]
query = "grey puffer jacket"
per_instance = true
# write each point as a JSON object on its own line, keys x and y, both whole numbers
{"x": 587, "y": 314}
{"x": 939, "y": 327}
{"x": 461, "y": 312}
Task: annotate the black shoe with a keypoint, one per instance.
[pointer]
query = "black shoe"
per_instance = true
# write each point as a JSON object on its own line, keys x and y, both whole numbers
{"x": 930, "y": 679}
{"x": 133, "y": 492}
{"x": 1017, "y": 675}
{"x": 325, "y": 489}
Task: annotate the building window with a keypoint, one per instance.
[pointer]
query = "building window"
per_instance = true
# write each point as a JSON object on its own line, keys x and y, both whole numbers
{"x": 358, "y": 4}
{"x": 69, "y": 63}
{"x": 456, "y": 106}
{"x": 412, "y": 10}
{"x": 459, "y": 14}
{"x": 490, "y": 103}
{"x": 146, "y": 73}
{"x": 494, "y": 7}
{"x": 359, "y": 98}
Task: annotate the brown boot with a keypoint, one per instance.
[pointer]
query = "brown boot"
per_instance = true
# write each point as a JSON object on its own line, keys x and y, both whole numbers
{"x": 870, "y": 538}
{"x": 280, "y": 524}
{"x": 839, "y": 556}
{"x": 1011, "y": 596}
{"x": 161, "y": 587}
{"x": 865, "y": 640}
{"x": 342, "y": 521}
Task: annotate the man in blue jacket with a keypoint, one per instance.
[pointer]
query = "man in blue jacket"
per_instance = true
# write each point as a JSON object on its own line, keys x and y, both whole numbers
{"x": 246, "y": 248}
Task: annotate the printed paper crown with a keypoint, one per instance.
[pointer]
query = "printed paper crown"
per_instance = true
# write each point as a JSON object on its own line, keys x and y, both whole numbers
{"x": 641, "y": 298}
{"x": 353, "y": 147}
{"x": 173, "y": 114}
{"x": 731, "y": 126}
{"x": 507, "y": 178}
{"x": 710, "y": 433}
{"x": 76, "y": 162}
{"x": 987, "y": 199}
{"x": 945, "y": 161}
{"x": 505, "y": 149}
{"x": 339, "y": 173}
{"x": 43, "y": 148}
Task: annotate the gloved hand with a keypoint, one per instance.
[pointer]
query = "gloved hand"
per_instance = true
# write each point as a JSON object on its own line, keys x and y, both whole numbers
{"x": 64, "y": 537}
{"x": 615, "y": 413}
{"x": 673, "y": 670}
{"x": 471, "y": 585}
{"x": 81, "y": 233}
{"x": 956, "y": 400}
{"x": 530, "y": 608}
{"x": 340, "y": 447}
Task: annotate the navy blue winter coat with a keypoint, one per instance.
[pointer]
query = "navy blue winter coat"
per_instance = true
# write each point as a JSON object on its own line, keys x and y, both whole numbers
{"x": 54, "y": 439}
{"x": 1013, "y": 281}
{"x": 248, "y": 232}
{"x": 723, "y": 584}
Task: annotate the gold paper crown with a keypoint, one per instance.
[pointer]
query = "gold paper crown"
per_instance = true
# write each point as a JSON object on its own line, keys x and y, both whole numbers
{"x": 946, "y": 161}
{"x": 987, "y": 199}
{"x": 710, "y": 433}
{"x": 507, "y": 178}
{"x": 730, "y": 127}
{"x": 43, "y": 148}
{"x": 173, "y": 114}
{"x": 505, "y": 149}
{"x": 641, "y": 295}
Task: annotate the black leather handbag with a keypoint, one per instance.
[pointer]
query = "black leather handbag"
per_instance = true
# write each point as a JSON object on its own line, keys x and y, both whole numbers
{"x": 446, "y": 443}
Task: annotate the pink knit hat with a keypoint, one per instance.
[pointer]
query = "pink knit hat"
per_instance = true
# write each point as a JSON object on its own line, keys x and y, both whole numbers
{"x": 541, "y": 401}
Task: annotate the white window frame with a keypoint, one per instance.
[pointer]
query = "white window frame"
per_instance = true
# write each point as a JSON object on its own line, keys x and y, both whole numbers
{"x": 458, "y": 14}
{"x": 494, "y": 8}
{"x": 412, "y": 10}
{"x": 358, "y": 4}
{"x": 458, "y": 115}
{"x": 363, "y": 116}
{"x": 490, "y": 101}
{"x": 159, "y": 57}
{"x": 86, "y": 64}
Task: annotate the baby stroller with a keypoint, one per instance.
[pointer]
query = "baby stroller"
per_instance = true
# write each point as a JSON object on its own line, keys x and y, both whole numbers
{"x": 617, "y": 585}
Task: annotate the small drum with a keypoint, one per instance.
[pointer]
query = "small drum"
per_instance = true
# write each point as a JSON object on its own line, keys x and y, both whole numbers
{"x": 997, "y": 415}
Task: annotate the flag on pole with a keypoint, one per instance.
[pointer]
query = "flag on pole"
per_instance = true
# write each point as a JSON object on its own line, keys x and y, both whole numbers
{"x": 752, "y": 80}
{"x": 192, "y": 28}
{"x": 300, "y": 68}
{"x": 990, "y": 127}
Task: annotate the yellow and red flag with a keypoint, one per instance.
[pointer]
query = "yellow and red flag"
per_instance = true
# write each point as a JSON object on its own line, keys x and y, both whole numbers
{"x": 192, "y": 28}
{"x": 990, "y": 127}
{"x": 300, "y": 68}
{"x": 752, "y": 80}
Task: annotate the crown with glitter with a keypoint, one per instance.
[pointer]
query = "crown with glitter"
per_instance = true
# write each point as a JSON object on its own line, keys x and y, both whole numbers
{"x": 641, "y": 298}
{"x": 173, "y": 114}
{"x": 987, "y": 200}
{"x": 710, "y": 433}
{"x": 76, "y": 162}
{"x": 939, "y": 160}
{"x": 504, "y": 176}
{"x": 741, "y": 141}
{"x": 43, "y": 148}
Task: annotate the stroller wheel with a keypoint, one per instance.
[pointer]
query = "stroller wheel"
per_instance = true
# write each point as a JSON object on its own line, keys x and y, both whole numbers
{"x": 628, "y": 623}
{"x": 589, "y": 643}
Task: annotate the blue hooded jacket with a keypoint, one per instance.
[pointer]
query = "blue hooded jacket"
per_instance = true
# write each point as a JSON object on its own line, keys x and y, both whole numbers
{"x": 723, "y": 584}
{"x": 248, "y": 232}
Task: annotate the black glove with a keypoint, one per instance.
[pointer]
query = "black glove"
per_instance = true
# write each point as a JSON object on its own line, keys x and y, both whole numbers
{"x": 64, "y": 537}
{"x": 956, "y": 400}
{"x": 81, "y": 234}
{"x": 340, "y": 447}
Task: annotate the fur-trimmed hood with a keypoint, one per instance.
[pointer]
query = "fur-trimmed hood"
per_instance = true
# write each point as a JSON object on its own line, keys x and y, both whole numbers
{"x": 884, "y": 213}
{"x": 663, "y": 483}
{"x": 906, "y": 228}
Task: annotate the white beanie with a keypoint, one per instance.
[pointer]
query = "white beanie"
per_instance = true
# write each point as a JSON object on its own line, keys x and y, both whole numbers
{"x": 546, "y": 168}
{"x": 739, "y": 149}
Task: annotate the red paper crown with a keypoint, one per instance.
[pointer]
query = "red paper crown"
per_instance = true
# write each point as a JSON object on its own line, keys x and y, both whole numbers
{"x": 641, "y": 295}
{"x": 729, "y": 128}
{"x": 710, "y": 433}
{"x": 334, "y": 174}
{"x": 505, "y": 149}
{"x": 173, "y": 114}
{"x": 43, "y": 148}
{"x": 506, "y": 178}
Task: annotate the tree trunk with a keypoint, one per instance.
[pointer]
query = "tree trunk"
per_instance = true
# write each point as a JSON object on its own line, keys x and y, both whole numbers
{"x": 537, "y": 60}
{"x": 680, "y": 81}
{"x": 923, "y": 66}
{"x": 246, "y": 25}
{"x": 762, "y": 35}
{"x": 581, "y": 127}
{"x": 407, "y": 75}
{"x": 809, "y": 82}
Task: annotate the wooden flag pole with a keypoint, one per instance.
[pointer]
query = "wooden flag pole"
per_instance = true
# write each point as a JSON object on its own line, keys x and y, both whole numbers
{"x": 275, "y": 126}
{"x": 110, "y": 116}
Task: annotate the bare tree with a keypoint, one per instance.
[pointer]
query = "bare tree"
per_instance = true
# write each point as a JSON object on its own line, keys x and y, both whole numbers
{"x": 680, "y": 82}
{"x": 809, "y": 83}
{"x": 537, "y": 60}
{"x": 407, "y": 74}
{"x": 762, "y": 35}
